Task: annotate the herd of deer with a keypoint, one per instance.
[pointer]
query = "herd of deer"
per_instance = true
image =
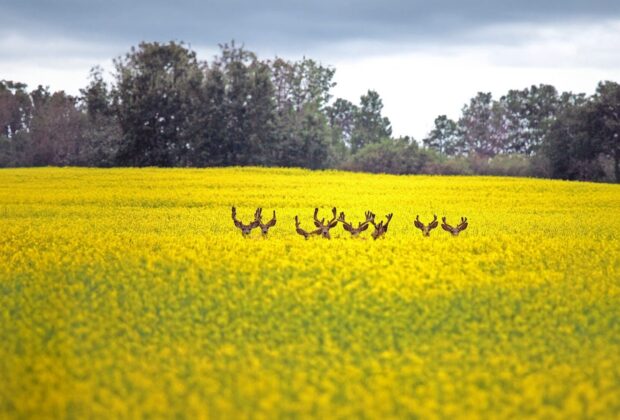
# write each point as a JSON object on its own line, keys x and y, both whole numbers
{"x": 323, "y": 228}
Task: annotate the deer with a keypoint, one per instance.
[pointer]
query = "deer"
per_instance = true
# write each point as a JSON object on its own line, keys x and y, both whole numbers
{"x": 323, "y": 228}
{"x": 245, "y": 229}
{"x": 361, "y": 226}
{"x": 380, "y": 228}
{"x": 302, "y": 232}
{"x": 454, "y": 230}
{"x": 426, "y": 229}
{"x": 264, "y": 226}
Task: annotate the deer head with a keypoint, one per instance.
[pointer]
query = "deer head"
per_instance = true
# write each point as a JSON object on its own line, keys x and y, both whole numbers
{"x": 454, "y": 230}
{"x": 245, "y": 229}
{"x": 325, "y": 227}
{"x": 264, "y": 227}
{"x": 361, "y": 226}
{"x": 380, "y": 228}
{"x": 426, "y": 229}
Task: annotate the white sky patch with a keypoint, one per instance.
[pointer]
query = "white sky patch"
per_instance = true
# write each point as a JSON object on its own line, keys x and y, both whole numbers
{"x": 417, "y": 82}
{"x": 420, "y": 82}
{"x": 416, "y": 88}
{"x": 60, "y": 63}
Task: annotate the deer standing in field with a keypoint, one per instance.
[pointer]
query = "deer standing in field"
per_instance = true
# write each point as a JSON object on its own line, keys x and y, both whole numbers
{"x": 454, "y": 230}
{"x": 361, "y": 226}
{"x": 380, "y": 228}
{"x": 245, "y": 229}
{"x": 264, "y": 227}
{"x": 426, "y": 229}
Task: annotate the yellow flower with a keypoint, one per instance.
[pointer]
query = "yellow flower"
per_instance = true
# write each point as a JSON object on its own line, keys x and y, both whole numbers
{"x": 130, "y": 293}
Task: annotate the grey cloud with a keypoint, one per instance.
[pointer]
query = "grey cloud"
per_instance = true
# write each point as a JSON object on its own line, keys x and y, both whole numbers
{"x": 287, "y": 25}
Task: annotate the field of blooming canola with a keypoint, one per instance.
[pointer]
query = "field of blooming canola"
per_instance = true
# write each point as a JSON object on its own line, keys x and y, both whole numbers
{"x": 130, "y": 293}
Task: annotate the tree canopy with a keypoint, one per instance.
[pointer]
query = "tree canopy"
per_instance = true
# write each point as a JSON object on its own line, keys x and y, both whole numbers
{"x": 163, "y": 106}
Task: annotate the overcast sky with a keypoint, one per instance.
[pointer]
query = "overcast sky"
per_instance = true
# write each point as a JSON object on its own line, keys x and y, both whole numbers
{"x": 425, "y": 58}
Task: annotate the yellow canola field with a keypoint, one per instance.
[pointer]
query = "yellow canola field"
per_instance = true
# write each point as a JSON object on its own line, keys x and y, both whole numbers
{"x": 129, "y": 293}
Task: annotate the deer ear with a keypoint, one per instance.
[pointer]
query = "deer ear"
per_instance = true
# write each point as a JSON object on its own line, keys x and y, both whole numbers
{"x": 333, "y": 224}
{"x": 434, "y": 224}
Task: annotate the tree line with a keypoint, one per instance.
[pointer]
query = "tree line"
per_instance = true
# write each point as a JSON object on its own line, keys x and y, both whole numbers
{"x": 164, "y": 107}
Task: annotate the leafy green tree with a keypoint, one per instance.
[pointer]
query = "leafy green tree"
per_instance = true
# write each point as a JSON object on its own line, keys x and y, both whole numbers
{"x": 341, "y": 119}
{"x": 57, "y": 129}
{"x": 302, "y": 135}
{"x": 606, "y": 104}
{"x": 103, "y": 134}
{"x": 476, "y": 125}
{"x": 157, "y": 96}
{"x": 235, "y": 63}
{"x": 238, "y": 118}
{"x": 96, "y": 96}
{"x": 445, "y": 138}
{"x": 572, "y": 149}
{"x": 341, "y": 116}
{"x": 261, "y": 114}
{"x": 302, "y": 139}
{"x": 15, "y": 119}
{"x": 15, "y": 108}
{"x": 393, "y": 156}
{"x": 209, "y": 146}
{"x": 522, "y": 118}
{"x": 300, "y": 83}
{"x": 370, "y": 126}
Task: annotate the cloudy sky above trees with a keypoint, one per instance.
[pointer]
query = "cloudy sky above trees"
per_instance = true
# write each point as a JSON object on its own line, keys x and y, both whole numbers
{"x": 425, "y": 58}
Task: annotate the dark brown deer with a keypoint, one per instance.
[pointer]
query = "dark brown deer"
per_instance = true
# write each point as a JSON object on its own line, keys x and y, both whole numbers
{"x": 361, "y": 226}
{"x": 245, "y": 229}
{"x": 454, "y": 230}
{"x": 426, "y": 229}
{"x": 325, "y": 227}
{"x": 380, "y": 228}
{"x": 264, "y": 227}
{"x": 304, "y": 233}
